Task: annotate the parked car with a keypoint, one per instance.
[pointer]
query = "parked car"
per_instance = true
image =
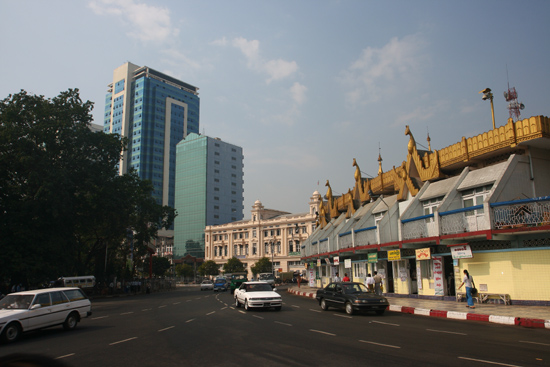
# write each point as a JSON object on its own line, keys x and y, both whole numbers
{"x": 351, "y": 297}
{"x": 207, "y": 285}
{"x": 236, "y": 280}
{"x": 37, "y": 309}
{"x": 220, "y": 284}
{"x": 257, "y": 295}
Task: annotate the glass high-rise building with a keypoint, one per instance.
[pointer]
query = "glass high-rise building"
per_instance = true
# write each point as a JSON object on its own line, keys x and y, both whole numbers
{"x": 155, "y": 111}
{"x": 209, "y": 190}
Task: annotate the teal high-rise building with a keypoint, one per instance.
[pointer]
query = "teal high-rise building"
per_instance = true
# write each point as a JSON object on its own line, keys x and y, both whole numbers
{"x": 209, "y": 190}
{"x": 155, "y": 112}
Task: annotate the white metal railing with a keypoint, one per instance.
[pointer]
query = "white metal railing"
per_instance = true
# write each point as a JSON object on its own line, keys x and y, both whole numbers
{"x": 470, "y": 219}
{"x": 366, "y": 236}
{"x": 521, "y": 213}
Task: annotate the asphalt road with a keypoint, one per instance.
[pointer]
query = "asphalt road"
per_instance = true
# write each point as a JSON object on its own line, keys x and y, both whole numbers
{"x": 188, "y": 327}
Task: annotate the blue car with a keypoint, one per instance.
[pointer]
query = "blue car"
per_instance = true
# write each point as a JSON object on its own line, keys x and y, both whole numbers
{"x": 220, "y": 284}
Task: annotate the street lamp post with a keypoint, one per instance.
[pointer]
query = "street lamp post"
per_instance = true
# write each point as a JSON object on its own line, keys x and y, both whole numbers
{"x": 488, "y": 95}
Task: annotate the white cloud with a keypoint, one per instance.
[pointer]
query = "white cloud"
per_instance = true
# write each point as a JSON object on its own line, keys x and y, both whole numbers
{"x": 298, "y": 92}
{"x": 275, "y": 69}
{"x": 147, "y": 23}
{"x": 180, "y": 60}
{"x": 424, "y": 112}
{"x": 382, "y": 71}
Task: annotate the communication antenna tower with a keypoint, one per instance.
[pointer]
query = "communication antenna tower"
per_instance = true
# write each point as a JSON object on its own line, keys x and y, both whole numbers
{"x": 511, "y": 96}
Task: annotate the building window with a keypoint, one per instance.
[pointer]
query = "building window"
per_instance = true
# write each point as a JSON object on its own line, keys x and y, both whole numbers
{"x": 474, "y": 197}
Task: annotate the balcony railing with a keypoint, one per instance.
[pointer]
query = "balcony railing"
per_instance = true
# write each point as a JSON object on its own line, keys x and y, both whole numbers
{"x": 521, "y": 213}
{"x": 419, "y": 227}
{"x": 366, "y": 236}
{"x": 345, "y": 240}
{"x": 464, "y": 220}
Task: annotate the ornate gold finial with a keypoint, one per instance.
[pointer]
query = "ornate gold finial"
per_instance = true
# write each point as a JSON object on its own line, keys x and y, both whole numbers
{"x": 379, "y": 160}
{"x": 429, "y": 140}
{"x": 357, "y": 174}
{"x": 412, "y": 144}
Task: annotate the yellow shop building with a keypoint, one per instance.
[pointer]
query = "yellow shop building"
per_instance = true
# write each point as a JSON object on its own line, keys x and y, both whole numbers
{"x": 481, "y": 204}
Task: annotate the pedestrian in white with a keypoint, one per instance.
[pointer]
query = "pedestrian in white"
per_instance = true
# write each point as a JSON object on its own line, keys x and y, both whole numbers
{"x": 337, "y": 278}
{"x": 370, "y": 282}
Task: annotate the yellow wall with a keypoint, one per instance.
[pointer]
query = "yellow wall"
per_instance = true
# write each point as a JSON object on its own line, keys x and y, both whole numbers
{"x": 524, "y": 275}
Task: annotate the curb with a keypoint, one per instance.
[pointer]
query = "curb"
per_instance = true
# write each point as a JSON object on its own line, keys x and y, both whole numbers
{"x": 505, "y": 320}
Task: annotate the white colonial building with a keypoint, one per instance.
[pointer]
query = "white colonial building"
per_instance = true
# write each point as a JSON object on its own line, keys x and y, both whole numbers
{"x": 269, "y": 233}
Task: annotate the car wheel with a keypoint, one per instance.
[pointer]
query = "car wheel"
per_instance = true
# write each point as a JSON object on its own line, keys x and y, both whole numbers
{"x": 237, "y": 304}
{"x": 349, "y": 308}
{"x": 380, "y": 312}
{"x": 71, "y": 321}
{"x": 11, "y": 333}
{"x": 246, "y": 307}
{"x": 324, "y": 305}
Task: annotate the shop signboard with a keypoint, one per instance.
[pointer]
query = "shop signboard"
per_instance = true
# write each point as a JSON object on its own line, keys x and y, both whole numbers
{"x": 347, "y": 263}
{"x": 311, "y": 277}
{"x": 394, "y": 255}
{"x": 327, "y": 260}
{"x": 423, "y": 254}
{"x": 462, "y": 251}
{"x": 336, "y": 260}
{"x": 438, "y": 276}
{"x": 373, "y": 257}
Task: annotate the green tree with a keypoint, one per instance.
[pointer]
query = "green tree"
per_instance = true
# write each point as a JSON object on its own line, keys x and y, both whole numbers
{"x": 160, "y": 265}
{"x": 263, "y": 265}
{"x": 209, "y": 268}
{"x": 184, "y": 270}
{"x": 233, "y": 265}
{"x": 64, "y": 210}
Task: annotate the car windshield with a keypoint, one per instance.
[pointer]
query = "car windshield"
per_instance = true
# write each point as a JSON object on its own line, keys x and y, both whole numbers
{"x": 354, "y": 288}
{"x": 258, "y": 288}
{"x": 220, "y": 281}
{"x": 266, "y": 276}
{"x": 239, "y": 276}
{"x": 16, "y": 302}
{"x": 206, "y": 282}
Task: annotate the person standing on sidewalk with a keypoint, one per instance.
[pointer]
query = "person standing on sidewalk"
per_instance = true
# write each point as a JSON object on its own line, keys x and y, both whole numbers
{"x": 468, "y": 282}
{"x": 337, "y": 278}
{"x": 346, "y": 278}
{"x": 370, "y": 282}
{"x": 377, "y": 283}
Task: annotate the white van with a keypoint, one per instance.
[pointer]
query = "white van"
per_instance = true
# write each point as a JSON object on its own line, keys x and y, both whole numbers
{"x": 87, "y": 281}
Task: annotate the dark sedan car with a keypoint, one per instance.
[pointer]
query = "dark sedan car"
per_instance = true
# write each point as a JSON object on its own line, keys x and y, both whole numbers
{"x": 351, "y": 297}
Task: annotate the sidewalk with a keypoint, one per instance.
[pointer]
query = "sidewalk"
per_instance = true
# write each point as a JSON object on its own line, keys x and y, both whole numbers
{"x": 526, "y": 316}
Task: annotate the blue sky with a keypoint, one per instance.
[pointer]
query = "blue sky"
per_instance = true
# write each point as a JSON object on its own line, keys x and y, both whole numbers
{"x": 302, "y": 86}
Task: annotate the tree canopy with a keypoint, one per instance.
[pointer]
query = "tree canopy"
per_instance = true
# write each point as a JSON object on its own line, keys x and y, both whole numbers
{"x": 233, "y": 265}
{"x": 209, "y": 268}
{"x": 64, "y": 210}
{"x": 263, "y": 265}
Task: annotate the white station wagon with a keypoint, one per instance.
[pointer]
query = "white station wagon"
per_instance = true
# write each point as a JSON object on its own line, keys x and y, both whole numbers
{"x": 41, "y": 308}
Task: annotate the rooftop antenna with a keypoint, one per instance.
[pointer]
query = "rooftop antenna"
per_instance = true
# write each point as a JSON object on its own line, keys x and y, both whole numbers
{"x": 511, "y": 96}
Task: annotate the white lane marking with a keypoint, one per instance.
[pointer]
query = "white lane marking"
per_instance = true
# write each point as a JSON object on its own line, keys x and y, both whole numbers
{"x": 65, "y": 356}
{"x": 123, "y": 341}
{"x": 126, "y": 313}
{"x": 167, "y": 328}
{"x": 322, "y": 332}
{"x": 188, "y": 300}
{"x": 380, "y": 344}
{"x": 385, "y": 323}
{"x": 176, "y": 303}
{"x": 223, "y": 308}
{"x": 198, "y": 298}
{"x": 311, "y": 309}
{"x": 147, "y": 309}
{"x": 258, "y": 317}
{"x": 345, "y": 316}
{"x": 447, "y": 332}
{"x": 295, "y": 306}
{"x": 282, "y": 323}
{"x": 489, "y": 362}
{"x": 524, "y": 341}
{"x": 241, "y": 311}
{"x": 100, "y": 317}
{"x": 210, "y": 313}
{"x": 162, "y": 306}
{"x": 189, "y": 320}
